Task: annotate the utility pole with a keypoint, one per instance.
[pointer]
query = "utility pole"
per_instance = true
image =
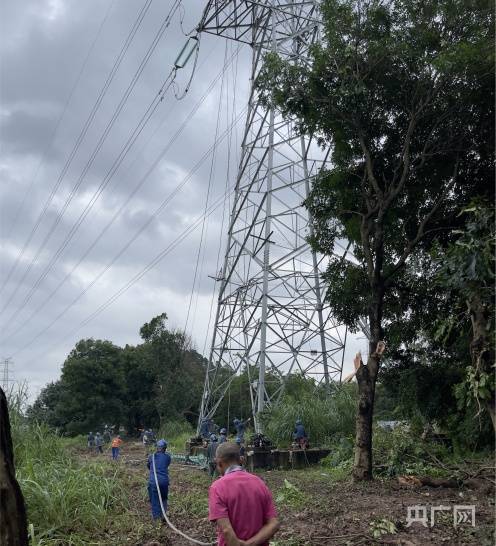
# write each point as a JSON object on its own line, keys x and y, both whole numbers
{"x": 270, "y": 320}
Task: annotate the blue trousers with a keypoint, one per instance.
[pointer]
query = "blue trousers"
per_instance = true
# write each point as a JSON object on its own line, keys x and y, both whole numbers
{"x": 115, "y": 453}
{"x": 154, "y": 500}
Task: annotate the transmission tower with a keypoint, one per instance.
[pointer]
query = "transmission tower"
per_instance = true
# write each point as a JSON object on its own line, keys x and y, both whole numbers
{"x": 270, "y": 317}
{"x": 6, "y": 379}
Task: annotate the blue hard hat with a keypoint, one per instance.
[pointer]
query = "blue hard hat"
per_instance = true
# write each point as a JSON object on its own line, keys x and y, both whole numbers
{"x": 238, "y": 440}
{"x": 213, "y": 437}
{"x": 236, "y": 421}
{"x": 161, "y": 444}
{"x": 298, "y": 422}
{"x": 223, "y": 431}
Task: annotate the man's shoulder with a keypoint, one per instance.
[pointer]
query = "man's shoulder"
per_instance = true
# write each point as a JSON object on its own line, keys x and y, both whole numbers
{"x": 243, "y": 476}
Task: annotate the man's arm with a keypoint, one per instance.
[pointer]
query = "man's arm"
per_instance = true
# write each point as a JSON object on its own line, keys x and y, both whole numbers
{"x": 265, "y": 533}
{"x": 228, "y": 532}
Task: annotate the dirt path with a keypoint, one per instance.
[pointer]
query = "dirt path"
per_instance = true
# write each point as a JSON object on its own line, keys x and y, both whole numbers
{"x": 320, "y": 511}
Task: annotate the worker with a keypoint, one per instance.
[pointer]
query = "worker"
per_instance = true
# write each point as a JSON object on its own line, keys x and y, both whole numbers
{"x": 299, "y": 435}
{"x": 240, "y": 427}
{"x": 116, "y": 446}
{"x": 223, "y": 436}
{"x": 99, "y": 443}
{"x": 162, "y": 461}
{"x": 106, "y": 436}
{"x": 240, "y": 503}
{"x": 211, "y": 449}
{"x": 241, "y": 448}
{"x": 91, "y": 441}
{"x": 204, "y": 426}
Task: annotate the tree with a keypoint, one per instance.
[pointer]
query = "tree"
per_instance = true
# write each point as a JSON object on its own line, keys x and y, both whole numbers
{"x": 44, "y": 408}
{"x": 92, "y": 383}
{"x": 466, "y": 271}
{"x": 177, "y": 368}
{"x": 403, "y": 92}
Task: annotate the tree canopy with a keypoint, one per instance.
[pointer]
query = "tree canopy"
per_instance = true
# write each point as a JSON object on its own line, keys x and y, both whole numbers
{"x": 402, "y": 92}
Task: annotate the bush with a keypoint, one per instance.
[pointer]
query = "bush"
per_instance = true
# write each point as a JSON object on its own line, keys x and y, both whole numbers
{"x": 327, "y": 419}
{"x": 401, "y": 451}
{"x": 177, "y": 433}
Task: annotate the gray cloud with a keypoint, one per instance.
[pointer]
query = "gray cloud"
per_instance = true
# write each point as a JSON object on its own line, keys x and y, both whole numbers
{"x": 43, "y": 45}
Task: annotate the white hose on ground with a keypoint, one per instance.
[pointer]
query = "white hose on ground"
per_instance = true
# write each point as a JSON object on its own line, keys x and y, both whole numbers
{"x": 169, "y": 523}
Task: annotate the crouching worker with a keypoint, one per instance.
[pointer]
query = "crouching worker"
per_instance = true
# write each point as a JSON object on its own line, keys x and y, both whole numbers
{"x": 162, "y": 461}
{"x": 240, "y": 503}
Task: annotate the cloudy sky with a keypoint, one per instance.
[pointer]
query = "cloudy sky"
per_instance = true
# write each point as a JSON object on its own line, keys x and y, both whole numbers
{"x": 66, "y": 116}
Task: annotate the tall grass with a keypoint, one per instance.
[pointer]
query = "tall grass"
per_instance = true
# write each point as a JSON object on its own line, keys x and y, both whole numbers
{"x": 327, "y": 419}
{"x": 177, "y": 433}
{"x": 67, "y": 502}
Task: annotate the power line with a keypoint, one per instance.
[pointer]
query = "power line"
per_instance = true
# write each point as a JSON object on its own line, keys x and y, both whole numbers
{"x": 51, "y": 138}
{"x": 82, "y": 134}
{"x": 207, "y": 197}
{"x": 89, "y": 163}
{"x": 129, "y": 143}
{"x": 137, "y": 234}
{"x": 134, "y": 191}
{"x": 178, "y": 240}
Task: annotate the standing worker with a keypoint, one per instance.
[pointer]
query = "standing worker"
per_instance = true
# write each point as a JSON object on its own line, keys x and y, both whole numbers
{"x": 240, "y": 427}
{"x": 223, "y": 436}
{"x": 106, "y": 435}
{"x": 211, "y": 450}
{"x": 204, "y": 428}
{"x": 116, "y": 447}
{"x": 162, "y": 461}
{"x": 98, "y": 443}
{"x": 240, "y": 503}
{"x": 91, "y": 441}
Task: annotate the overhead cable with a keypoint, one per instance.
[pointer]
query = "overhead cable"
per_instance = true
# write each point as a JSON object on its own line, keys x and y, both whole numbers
{"x": 161, "y": 207}
{"x": 89, "y": 163}
{"x": 82, "y": 134}
{"x": 142, "y": 180}
{"x": 51, "y": 138}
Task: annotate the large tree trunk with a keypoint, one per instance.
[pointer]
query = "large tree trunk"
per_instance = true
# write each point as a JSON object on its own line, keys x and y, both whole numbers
{"x": 362, "y": 469}
{"x": 366, "y": 378}
{"x": 482, "y": 346}
{"x": 13, "y": 528}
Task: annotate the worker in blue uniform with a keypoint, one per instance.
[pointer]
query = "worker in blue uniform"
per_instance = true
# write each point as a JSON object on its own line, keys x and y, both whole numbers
{"x": 162, "y": 461}
{"x": 300, "y": 434}
{"x": 205, "y": 428}
{"x": 222, "y": 436}
{"x": 240, "y": 427}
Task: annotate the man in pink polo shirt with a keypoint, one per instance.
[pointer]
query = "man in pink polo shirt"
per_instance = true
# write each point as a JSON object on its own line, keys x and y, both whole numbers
{"x": 240, "y": 503}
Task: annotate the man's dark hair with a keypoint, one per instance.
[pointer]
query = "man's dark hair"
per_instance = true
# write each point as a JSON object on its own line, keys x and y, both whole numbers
{"x": 228, "y": 452}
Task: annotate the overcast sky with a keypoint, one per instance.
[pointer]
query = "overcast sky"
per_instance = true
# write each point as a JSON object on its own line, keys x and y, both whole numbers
{"x": 56, "y": 56}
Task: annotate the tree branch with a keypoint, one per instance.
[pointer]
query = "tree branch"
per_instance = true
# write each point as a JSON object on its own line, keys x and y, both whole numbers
{"x": 421, "y": 229}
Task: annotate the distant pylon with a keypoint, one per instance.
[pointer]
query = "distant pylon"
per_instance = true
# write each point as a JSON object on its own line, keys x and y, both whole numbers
{"x": 6, "y": 379}
{"x": 271, "y": 318}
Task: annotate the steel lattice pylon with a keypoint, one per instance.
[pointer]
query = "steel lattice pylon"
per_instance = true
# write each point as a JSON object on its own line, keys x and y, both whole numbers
{"x": 269, "y": 310}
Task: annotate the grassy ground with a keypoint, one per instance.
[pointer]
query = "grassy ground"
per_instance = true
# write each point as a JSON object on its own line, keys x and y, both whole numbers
{"x": 78, "y": 498}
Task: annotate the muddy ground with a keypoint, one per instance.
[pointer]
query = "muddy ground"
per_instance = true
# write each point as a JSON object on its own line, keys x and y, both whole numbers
{"x": 324, "y": 510}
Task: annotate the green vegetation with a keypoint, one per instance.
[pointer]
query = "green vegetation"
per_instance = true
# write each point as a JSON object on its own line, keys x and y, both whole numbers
{"x": 105, "y": 384}
{"x": 386, "y": 90}
{"x": 66, "y": 501}
{"x": 290, "y": 495}
{"x": 327, "y": 419}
